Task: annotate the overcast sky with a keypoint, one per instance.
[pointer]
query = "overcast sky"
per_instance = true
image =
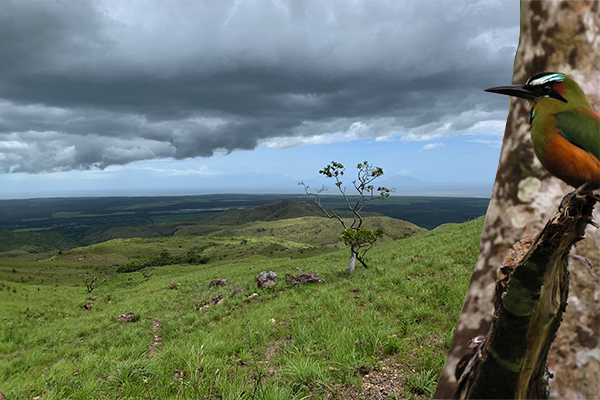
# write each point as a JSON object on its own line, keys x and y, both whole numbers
{"x": 125, "y": 96}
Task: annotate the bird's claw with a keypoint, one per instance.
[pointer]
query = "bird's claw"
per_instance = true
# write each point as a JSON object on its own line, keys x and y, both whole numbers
{"x": 576, "y": 192}
{"x": 565, "y": 200}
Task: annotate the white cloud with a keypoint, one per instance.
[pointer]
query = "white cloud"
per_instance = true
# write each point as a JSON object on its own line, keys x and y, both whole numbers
{"x": 487, "y": 128}
{"x": 13, "y": 145}
{"x": 411, "y": 137}
{"x": 296, "y": 141}
{"x": 496, "y": 144}
{"x": 392, "y": 137}
{"x": 202, "y": 170}
{"x": 431, "y": 146}
{"x": 495, "y": 40}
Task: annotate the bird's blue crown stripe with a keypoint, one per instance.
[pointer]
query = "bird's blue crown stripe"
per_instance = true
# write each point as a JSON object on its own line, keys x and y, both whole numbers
{"x": 547, "y": 78}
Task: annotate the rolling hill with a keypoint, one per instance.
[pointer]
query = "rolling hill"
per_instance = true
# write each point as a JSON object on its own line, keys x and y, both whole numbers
{"x": 229, "y": 223}
{"x": 315, "y": 231}
{"x": 18, "y": 244}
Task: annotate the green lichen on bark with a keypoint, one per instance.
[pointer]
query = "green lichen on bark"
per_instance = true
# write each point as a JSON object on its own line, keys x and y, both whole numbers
{"x": 519, "y": 299}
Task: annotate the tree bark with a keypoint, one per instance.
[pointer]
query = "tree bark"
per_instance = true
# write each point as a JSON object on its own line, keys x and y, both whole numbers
{"x": 559, "y": 36}
{"x": 530, "y": 299}
{"x": 352, "y": 262}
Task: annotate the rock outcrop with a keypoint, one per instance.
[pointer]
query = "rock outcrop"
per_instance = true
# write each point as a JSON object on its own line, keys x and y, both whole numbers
{"x": 309, "y": 277}
{"x": 266, "y": 279}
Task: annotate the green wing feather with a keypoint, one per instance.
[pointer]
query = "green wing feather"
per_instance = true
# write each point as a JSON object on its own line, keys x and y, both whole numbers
{"x": 581, "y": 128}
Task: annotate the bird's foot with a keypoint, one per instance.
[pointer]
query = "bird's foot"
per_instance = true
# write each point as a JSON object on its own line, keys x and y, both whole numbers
{"x": 564, "y": 201}
{"x": 574, "y": 193}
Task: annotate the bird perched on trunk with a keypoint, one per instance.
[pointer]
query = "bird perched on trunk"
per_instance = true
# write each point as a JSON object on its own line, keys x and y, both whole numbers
{"x": 565, "y": 130}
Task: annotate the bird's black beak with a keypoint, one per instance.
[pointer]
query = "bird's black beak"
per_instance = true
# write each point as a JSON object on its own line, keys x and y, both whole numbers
{"x": 515, "y": 90}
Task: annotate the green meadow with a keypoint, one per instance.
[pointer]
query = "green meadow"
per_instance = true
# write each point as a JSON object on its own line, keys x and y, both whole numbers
{"x": 384, "y": 329}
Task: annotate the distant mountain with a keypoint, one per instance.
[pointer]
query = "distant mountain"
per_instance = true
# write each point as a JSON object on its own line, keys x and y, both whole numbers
{"x": 409, "y": 186}
{"x": 403, "y": 180}
{"x": 14, "y": 244}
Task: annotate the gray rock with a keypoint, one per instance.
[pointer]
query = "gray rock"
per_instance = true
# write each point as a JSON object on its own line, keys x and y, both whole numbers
{"x": 217, "y": 299}
{"x": 128, "y": 317}
{"x": 218, "y": 282}
{"x": 309, "y": 277}
{"x": 266, "y": 279}
{"x": 203, "y": 308}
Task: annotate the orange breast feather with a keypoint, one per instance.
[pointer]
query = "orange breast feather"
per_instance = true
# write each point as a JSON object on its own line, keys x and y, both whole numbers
{"x": 571, "y": 163}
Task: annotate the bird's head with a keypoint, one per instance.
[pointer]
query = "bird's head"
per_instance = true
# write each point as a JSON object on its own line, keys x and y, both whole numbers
{"x": 553, "y": 88}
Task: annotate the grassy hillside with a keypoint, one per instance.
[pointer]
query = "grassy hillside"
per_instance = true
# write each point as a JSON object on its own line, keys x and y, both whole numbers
{"x": 24, "y": 244}
{"x": 383, "y": 330}
{"x": 284, "y": 209}
{"x": 314, "y": 230}
{"x": 226, "y": 222}
{"x": 293, "y": 238}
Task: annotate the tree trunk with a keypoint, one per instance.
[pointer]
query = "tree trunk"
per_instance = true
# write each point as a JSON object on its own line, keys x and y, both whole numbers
{"x": 352, "y": 263}
{"x": 559, "y": 36}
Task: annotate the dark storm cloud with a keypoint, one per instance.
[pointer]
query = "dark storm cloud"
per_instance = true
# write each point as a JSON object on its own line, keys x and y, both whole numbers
{"x": 89, "y": 84}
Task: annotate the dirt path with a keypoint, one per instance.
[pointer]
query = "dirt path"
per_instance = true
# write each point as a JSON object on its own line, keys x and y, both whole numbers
{"x": 388, "y": 383}
{"x": 156, "y": 340}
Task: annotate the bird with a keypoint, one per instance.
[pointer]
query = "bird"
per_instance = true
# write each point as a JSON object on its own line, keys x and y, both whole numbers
{"x": 565, "y": 130}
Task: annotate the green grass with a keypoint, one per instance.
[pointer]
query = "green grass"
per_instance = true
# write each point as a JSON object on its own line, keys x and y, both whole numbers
{"x": 316, "y": 231}
{"x": 288, "y": 342}
{"x": 31, "y": 245}
{"x": 423, "y": 383}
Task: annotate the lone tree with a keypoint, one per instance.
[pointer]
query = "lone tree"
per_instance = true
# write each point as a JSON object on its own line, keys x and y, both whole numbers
{"x": 360, "y": 239}
{"x": 91, "y": 281}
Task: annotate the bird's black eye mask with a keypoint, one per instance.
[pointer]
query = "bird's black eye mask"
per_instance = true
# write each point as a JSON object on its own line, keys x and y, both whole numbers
{"x": 544, "y": 91}
{"x": 542, "y": 85}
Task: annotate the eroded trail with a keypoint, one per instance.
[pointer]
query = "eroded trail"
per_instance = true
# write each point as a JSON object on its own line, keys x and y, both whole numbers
{"x": 156, "y": 338}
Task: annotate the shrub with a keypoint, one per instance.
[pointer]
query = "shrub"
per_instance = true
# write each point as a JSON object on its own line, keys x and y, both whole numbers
{"x": 137, "y": 264}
